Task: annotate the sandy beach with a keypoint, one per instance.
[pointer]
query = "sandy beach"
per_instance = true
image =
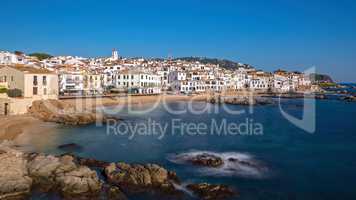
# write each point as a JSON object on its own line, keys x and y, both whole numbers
{"x": 89, "y": 103}
{"x": 13, "y": 126}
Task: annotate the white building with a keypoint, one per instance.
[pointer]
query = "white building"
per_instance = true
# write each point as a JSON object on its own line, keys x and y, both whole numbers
{"x": 8, "y": 58}
{"x": 71, "y": 83}
{"x": 263, "y": 82}
{"x": 93, "y": 83}
{"x": 37, "y": 83}
{"x": 139, "y": 82}
{"x": 282, "y": 83}
{"x": 114, "y": 55}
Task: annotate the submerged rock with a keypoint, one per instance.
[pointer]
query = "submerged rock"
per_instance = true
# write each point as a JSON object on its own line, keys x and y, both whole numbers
{"x": 207, "y": 160}
{"x": 90, "y": 162}
{"x": 211, "y": 192}
{"x": 114, "y": 193}
{"x": 247, "y": 101}
{"x": 71, "y": 147}
{"x": 349, "y": 98}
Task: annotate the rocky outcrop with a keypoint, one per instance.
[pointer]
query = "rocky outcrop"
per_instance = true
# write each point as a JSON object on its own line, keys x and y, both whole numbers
{"x": 71, "y": 177}
{"x": 79, "y": 182}
{"x": 20, "y": 173}
{"x": 92, "y": 163}
{"x": 243, "y": 100}
{"x": 61, "y": 174}
{"x": 64, "y": 113}
{"x": 139, "y": 178}
{"x": 211, "y": 192}
{"x": 207, "y": 160}
{"x": 15, "y": 182}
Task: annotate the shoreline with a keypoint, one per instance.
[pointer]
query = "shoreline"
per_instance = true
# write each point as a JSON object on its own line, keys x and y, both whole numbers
{"x": 90, "y": 103}
{"x": 14, "y": 126}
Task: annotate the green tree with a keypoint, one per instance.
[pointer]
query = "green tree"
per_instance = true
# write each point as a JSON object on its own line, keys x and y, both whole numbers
{"x": 41, "y": 56}
{"x": 3, "y": 90}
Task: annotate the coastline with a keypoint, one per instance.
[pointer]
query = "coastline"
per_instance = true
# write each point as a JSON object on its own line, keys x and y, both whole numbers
{"x": 14, "y": 126}
{"x": 30, "y": 125}
{"x": 90, "y": 103}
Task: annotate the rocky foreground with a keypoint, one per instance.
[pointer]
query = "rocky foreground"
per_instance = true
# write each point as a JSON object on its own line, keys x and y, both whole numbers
{"x": 74, "y": 178}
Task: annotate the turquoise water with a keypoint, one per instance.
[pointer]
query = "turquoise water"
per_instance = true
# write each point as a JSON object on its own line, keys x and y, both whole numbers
{"x": 299, "y": 165}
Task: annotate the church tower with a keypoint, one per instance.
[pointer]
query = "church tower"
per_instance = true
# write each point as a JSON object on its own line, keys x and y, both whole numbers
{"x": 114, "y": 55}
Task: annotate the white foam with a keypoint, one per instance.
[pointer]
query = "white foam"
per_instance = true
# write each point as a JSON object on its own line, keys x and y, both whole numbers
{"x": 183, "y": 188}
{"x": 245, "y": 164}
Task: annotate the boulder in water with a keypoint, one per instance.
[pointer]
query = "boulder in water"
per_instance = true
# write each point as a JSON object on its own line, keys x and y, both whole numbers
{"x": 207, "y": 160}
{"x": 211, "y": 192}
{"x": 63, "y": 175}
{"x": 90, "y": 162}
{"x": 70, "y": 147}
{"x": 114, "y": 193}
{"x": 139, "y": 178}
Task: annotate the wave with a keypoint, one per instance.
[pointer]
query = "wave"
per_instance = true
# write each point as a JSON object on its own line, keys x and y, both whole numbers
{"x": 235, "y": 164}
{"x": 183, "y": 187}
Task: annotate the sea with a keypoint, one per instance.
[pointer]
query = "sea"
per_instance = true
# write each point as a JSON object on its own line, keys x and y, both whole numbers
{"x": 311, "y": 160}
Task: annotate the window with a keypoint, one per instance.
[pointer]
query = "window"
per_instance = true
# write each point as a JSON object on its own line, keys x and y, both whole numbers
{"x": 35, "y": 92}
{"x": 132, "y": 77}
{"x": 12, "y": 78}
{"x": 35, "y": 82}
{"x": 44, "y": 80}
{"x": 44, "y": 91}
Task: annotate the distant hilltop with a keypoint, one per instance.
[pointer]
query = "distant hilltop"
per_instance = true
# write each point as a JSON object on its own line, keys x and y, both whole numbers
{"x": 321, "y": 78}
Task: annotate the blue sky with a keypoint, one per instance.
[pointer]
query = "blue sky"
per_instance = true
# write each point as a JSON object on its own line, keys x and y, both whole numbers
{"x": 290, "y": 34}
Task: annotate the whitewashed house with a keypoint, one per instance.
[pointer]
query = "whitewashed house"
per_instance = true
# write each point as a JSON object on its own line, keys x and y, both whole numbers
{"x": 139, "y": 82}
{"x": 71, "y": 83}
{"x": 8, "y": 58}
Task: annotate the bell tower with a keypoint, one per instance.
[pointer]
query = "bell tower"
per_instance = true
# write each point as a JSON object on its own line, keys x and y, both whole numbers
{"x": 114, "y": 55}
